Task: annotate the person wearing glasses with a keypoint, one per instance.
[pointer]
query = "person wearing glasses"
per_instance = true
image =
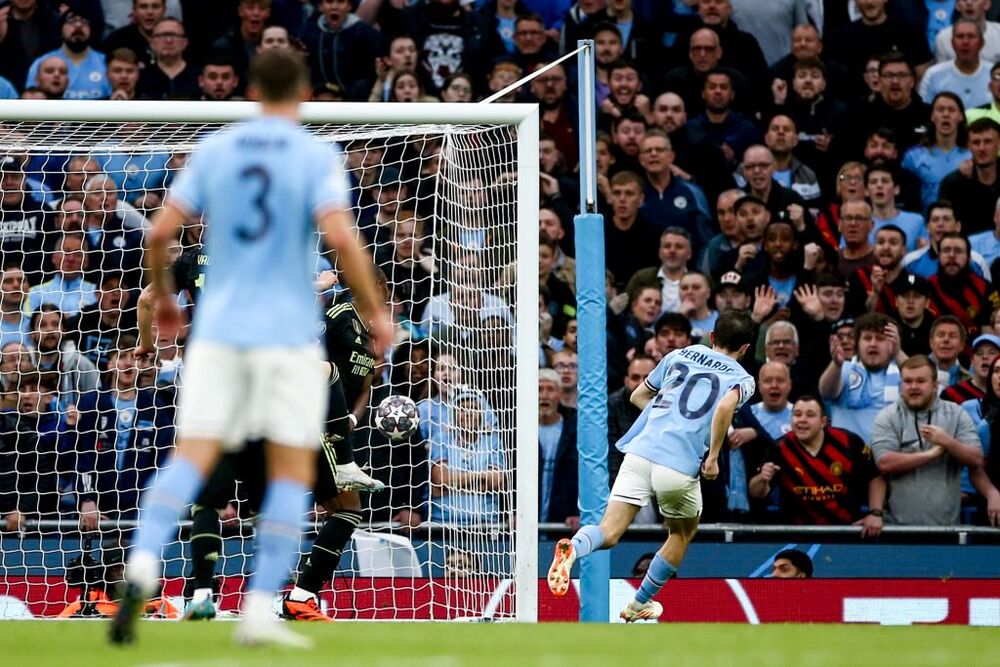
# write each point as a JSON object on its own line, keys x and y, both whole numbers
{"x": 170, "y": 76}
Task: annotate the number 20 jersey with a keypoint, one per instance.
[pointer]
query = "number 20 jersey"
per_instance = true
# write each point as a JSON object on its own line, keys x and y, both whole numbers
{"x": 261, "y": 185}
{"x": 674, "y": 428}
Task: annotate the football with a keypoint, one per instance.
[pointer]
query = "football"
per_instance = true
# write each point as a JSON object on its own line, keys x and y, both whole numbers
{"x": 397, "y": 417}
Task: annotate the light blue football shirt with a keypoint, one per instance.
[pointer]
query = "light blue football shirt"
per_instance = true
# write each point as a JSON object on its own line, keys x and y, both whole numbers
{"x": 261, "y": 186}
{"x": 674, "y": 428}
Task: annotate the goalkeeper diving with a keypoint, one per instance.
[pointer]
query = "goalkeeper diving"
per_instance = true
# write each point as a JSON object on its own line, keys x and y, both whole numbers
{"x": 687, "y": 403}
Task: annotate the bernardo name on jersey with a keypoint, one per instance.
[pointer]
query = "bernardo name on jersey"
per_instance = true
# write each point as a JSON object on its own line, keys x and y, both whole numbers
{"x": 674, "y": 428}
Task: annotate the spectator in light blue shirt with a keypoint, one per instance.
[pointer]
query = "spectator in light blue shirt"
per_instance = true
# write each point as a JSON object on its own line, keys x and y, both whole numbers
{"x": 943, "y": 149}
{"x": 67, "y": 290}
{"x": 883, "y": 190}
{"x": 774, "y": 412}
{"x": 468, "y": 468}
{"x": 7, "y": 90}
{"x": 88, "y": 78}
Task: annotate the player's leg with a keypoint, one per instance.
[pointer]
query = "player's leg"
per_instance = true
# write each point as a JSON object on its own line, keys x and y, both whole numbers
{"x": 679, "y": 498}
{"x": 343, "y": 516}
{"x": 162, "y": 506}
{"x": 339, "y": 438}
{"x": 631, "y": 491}
{"x": 206, "y": 538}
{"x": 289, "y": 393}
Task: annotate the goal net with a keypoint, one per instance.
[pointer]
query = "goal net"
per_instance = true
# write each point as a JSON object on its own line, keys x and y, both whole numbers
{"x": 446, "y": 202}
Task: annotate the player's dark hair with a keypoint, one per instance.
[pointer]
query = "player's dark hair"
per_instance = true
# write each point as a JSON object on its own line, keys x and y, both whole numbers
{"x": 800, "y": 559}
{"x": 278, "y": 75}
{"x": 733, "y": 330}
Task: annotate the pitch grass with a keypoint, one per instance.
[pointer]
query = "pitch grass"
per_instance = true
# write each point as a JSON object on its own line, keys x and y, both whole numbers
{"x": 83, "y": 643}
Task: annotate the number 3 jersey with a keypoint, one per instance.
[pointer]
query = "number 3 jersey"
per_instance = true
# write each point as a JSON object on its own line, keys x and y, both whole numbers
{"x": 674, "y": 428}
{"x": 261, "y": 186}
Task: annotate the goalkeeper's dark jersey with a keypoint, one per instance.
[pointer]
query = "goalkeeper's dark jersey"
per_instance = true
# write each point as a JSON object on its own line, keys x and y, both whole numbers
{"x": 189, "y": 271}
{"x": 347, "y": 347}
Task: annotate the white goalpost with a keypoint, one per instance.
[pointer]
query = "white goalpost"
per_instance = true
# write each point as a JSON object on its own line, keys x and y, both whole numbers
{"x": 447, "y": 203}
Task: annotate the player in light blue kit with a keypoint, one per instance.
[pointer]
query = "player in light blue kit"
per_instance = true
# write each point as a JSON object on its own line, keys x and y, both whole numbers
{"x": 253, "y": 370}
{"x": 687, "y": 401}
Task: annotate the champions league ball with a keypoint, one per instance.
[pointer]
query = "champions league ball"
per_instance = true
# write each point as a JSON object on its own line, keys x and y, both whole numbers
{"x": 397, "y": 417}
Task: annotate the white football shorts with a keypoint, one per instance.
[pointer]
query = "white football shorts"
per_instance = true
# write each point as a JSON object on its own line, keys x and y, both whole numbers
{"x": 678, "y": 495}
{"x": 234, "y": 395}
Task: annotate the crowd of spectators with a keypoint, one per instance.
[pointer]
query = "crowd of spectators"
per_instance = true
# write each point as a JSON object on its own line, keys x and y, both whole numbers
{"x": 828, "y": 166}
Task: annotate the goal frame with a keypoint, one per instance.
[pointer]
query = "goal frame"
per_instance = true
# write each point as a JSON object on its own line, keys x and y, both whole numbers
{"x": 526, "y": 120}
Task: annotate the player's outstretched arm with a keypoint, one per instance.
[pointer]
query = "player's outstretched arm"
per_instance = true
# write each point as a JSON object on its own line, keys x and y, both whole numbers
{"x": 355, "y": 263}
{"x": 721, "y": 421}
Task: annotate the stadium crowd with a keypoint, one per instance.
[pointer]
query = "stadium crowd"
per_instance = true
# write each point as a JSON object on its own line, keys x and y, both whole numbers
{"x": 830, "y": 167}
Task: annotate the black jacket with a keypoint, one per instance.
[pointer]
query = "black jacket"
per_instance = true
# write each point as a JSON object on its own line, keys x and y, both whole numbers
{"x": 565, "y": 481}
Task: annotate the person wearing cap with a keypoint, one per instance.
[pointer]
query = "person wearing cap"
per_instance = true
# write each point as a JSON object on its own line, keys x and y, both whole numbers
{"x": 920, "y": 444}
{"x": 947, "y": 342}
{"x": 752, "y": 217}
{"x": 732, "y": 291}
{"x": 22, "y": 219}
{"x": 87, "y": 68}
{"x": 557, "y": 457}
{"x": 913, "y": 309}
{"x": 674, "y": 252}
{"x": 941, "y": 220}
{"x": 791, "y": 564}
{"x": 957, "y": 290}
{"x": 985, "y": 349}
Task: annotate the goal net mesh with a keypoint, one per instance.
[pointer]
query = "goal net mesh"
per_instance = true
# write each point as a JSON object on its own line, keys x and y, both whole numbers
{"x": 85, "y": 424}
